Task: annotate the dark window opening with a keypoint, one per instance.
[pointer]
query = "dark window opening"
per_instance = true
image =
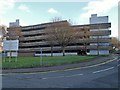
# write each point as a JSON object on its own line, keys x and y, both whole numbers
{"x": 32, "y": 29}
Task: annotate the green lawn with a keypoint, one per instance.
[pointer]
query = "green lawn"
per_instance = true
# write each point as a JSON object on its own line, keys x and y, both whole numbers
{"x": 29, "y": 62}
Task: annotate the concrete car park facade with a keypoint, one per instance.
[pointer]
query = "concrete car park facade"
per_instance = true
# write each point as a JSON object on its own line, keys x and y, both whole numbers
{"x": 94, "y": 38}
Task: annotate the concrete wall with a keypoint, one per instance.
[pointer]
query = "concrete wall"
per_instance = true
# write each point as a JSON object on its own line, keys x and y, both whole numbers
{"x": 25, "y": 54}
{"x": 56, "y": 54}
{"x": 101, "y": 52}
{"x": 95, "y": 19}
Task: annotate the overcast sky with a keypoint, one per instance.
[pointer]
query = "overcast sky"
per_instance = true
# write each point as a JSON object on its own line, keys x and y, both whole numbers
{"x": 36, "y": 11}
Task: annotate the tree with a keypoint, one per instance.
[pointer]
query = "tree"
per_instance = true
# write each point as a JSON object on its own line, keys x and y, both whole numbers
{"x": 3, "y": 31}
{"x": 50, "y": 39}
{"x": 115, "y": 42}
{"x": 14, "y": 33}
{"x": 60, "y": 32}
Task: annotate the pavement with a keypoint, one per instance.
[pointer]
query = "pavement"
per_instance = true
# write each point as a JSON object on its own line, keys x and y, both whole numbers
{"x": 99, "y": 60}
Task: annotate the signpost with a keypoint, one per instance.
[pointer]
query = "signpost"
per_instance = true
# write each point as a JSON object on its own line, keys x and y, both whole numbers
{"x": 11, "y": 46}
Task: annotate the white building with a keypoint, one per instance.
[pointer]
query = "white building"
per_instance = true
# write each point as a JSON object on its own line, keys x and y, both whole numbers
{"x": 14, "y": 24}
{"x": 101, "y": 35}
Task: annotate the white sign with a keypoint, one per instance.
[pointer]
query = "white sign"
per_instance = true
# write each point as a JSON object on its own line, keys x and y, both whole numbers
{"x": 10, "y": 45}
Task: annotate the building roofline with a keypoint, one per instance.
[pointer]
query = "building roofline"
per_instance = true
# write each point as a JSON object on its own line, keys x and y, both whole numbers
{"x": 45, "y": 23}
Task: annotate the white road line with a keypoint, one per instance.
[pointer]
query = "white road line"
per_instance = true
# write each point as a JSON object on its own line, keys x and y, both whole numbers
{"x": 52, "y": 77}
{"x": 103, "y": 70}
{"x": 74, "y": 75}
{"x": 63, "y": 76}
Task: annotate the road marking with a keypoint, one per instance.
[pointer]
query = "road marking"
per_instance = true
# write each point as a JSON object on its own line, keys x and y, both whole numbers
{"x": 103, "y": 70}
{"x": 72, "y": 69}
{"x": 100, "y": 63}
{"x": 74, "y": 75}
{"x": 14, "y": 73}
{"x": 91, "y": 65}
{"x": 63, "y": 76}
{"x": 66, "y": 69}
{"x": 53, "y": 77}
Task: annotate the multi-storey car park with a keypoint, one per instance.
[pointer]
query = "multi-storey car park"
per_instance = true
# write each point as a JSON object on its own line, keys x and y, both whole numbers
{"x": 94, "y": 38}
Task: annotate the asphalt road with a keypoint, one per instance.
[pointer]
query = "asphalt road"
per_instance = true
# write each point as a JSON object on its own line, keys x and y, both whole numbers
{"x": 103, "y": 76}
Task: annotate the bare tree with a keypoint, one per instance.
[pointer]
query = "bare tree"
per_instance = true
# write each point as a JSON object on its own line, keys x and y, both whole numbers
{"x": 14, "y": 33}
{"x": 114, "y": 42}
{"x": 50, "y": 39}
{"x": 3, "y": 31}
{"x": 61, "y": 33}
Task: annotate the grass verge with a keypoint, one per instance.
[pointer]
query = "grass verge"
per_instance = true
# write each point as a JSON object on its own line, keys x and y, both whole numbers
{"x": 30, "y": 62}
